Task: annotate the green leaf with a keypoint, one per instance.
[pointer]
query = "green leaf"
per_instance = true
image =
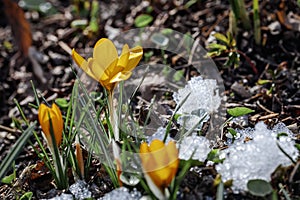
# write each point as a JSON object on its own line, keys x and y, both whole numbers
{"x": 15, "y": 150}
{"x": 167, "y": 31}
{"x": 26, "y": 196}
{"x": 232, "y": 132}
{"x": 8, "y": 179}
{"x": 262, "y": 81}
{"x": 258, "y": 187}
{"x": 178, "y": 75}
{"x": 190, "y": 3}
{"x": 79, "y": 23}
{"x": 213, "y": 155}
{"x": 222, "y": 38}
{"x": 239, "y": 111}
{"x": 220, "y": 191}
{"x": 61, "y": 102}
{"x": 281, "y": 135}
{"x": 143, "y": 20}
{"x": 231, "y": 40}
{"x": 215, "y": 46}
{"x": 213, "y": 53}
{"x": 297, "y": 146}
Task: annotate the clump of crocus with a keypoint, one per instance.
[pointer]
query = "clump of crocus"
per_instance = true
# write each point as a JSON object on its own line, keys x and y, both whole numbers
{"x": 51, "y": 121}
{"x": 109, "y": 69}
{"x": 53, "y": 114}
{"x": 160, "y": 163}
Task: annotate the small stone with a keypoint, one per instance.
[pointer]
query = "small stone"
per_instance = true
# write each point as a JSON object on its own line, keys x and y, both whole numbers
{"x": 240, "y": 90}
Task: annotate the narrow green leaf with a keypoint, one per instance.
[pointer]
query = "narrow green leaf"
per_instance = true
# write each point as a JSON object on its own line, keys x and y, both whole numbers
{"x": 143, "y": 20}
{"x": 220, "y": 191}
{"x": 262, "y": 81}
{"x": 285, "y": 193}
{"x": 216, "y": 46}
{"x": 213, "y": 53}
{"x": 258, "y": 187}
{"x": 239, "y": 111}
{"x": 27, "y": 196}
{"x": 222, "y": 38}
{"x": 15, "y": 150}
{"x": 190, "y": 3}
{"x": 232, "y": 131}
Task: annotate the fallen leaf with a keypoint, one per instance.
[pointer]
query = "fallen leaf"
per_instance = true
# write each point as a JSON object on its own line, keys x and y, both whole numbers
{"x": 19, "y": 25}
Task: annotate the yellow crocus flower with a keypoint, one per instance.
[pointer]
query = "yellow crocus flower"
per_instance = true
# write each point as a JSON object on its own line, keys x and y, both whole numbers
{"x": 160, "y": 163}
{"x": 105, "y": 66}
{"x": 46, "y": 113}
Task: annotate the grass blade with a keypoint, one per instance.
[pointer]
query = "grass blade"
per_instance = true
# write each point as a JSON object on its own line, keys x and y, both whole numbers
{"x": 15, "y": 150}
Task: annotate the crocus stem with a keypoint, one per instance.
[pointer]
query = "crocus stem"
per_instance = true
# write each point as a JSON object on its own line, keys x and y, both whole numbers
{"x": 112, "y": 115}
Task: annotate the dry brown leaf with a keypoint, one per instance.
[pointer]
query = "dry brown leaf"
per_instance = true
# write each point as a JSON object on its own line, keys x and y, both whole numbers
{"x": 19, "y": 25}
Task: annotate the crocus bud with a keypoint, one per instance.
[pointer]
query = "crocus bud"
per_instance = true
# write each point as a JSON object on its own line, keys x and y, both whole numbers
{"x": 53, "y": 113}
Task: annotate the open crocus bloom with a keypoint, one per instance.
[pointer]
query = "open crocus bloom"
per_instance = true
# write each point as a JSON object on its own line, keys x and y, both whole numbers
{"x": 160, "y": 163}
{"x": 46, "y": 113}
{"x": 105, "y": 66}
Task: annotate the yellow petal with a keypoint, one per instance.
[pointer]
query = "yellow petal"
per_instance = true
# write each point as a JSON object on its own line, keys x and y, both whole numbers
{"x": 77, "y": 58}
{"x": 100, "y": 41}
{"x": 159, "y": 153}
{"x": 121, "y": 76}
{"x": 105, "y": 57}
{"x": 83, "y": 64}
{"x": 57, "y": 122}
{"x": 44, "y": 121}
{"x": 144, "y": 153}
{"x": 135, "y": 56}
{"x": 161, "y": 177}
{"x": 42, "y": 113}
{"x": 144, "y": 148}
{"x": 156, "y": 145}
{"x": 45, "y": 114}
{"x": 172, "y": 152}
{"x": 154, "y": 188}
{"x": 123, "y": 59}
{"x": 92, "y": 69}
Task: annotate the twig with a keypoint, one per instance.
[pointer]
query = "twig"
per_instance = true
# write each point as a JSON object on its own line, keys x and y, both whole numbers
{"x": 248, "y": 61}
{"x": 10, "y": 130}
{"x": 264, "y": 108}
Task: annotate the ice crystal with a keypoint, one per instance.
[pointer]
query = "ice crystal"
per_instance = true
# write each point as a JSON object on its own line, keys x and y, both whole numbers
{"x": 196, "y": 146}
{"x": 122, "y": 193}
{"x": 257, "y": 158}
{"x": 203, "y": 99}
{"x": 203, "y": 95}
{"x": 80, "y": 190}
{"x": 159, "y": 134}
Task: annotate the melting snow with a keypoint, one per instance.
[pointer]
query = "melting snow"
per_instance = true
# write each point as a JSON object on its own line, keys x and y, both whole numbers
{"x": 257, "y": 158}
{"x": 198, "y": 145}
{"x": 122, "y": 193}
